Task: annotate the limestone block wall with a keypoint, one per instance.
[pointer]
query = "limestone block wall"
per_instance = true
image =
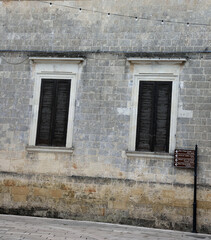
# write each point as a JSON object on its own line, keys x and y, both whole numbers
{"x": 99, "y": 181}
{"x": 141, "y": 203}
{"x": 37, "y": 26}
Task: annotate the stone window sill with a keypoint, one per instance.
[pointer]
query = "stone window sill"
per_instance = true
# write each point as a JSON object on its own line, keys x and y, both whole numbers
{"x": 150, "y": 155}
{"x": 44, "y": 149}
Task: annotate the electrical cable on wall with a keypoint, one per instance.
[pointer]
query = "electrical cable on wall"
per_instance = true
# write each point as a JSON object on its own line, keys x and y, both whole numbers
{"x": 136, "y": 18}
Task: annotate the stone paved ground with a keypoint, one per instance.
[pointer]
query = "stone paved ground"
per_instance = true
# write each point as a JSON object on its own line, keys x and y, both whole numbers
{"x": 32, "y": 228}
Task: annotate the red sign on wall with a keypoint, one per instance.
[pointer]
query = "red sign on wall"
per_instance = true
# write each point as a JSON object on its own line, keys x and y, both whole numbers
{"x": 184, "y": 158}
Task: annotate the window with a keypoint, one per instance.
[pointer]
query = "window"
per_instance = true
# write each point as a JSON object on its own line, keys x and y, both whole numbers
{"x": 53, "y": 112}
{"x": 153, "y": 121}
{"x": 154, "y": 101}
{"x": 53, "y": 103}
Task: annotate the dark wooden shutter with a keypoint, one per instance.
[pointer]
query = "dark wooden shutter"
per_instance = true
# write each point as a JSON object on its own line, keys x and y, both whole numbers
{"x": 153, "y": 120}
{"x": 145, "y": 116}
{"x": 162, "y": 117}
{"x": 61, "y": 113}
{"x": 45, "y": 118}
{"x": 53, "y": 112}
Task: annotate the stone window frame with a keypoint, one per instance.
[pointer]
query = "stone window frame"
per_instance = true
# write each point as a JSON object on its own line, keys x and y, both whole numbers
{"x": 155, "y": 69}
{"x": 53, "y": 68}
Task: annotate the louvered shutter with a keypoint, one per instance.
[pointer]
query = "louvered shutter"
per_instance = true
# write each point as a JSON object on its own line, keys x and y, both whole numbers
{"x": 162, "y": 117}
{"x": 145, "y": 116}
{"x": 61, "y": 113}
{"x": 153, "y": 122}
{"x": 45, "y": 118}
{"x": 53, "y": 112}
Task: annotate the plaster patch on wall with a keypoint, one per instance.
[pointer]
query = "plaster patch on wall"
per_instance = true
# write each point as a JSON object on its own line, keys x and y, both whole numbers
{"x": 123, "y": 111}
{"x": 184, "y": 113}
{"x": 181, "y": 85}
{"x": 130, "y": 84}
{"x": 77, "y": 103}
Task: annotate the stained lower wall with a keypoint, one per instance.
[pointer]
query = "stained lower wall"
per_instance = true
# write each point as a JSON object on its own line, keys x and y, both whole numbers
{"x": 141, "y": 203}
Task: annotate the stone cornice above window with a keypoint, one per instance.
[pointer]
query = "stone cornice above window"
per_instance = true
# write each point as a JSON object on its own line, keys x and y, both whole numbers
{"x": 159, "y": 60}
{"x": 56, "y": 60}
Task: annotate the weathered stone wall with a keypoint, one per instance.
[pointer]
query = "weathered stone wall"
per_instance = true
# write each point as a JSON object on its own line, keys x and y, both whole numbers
{"x": 142, "y": 203}
{"x": 98, "y": 181}
{"x": 36, "y": 26}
